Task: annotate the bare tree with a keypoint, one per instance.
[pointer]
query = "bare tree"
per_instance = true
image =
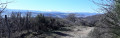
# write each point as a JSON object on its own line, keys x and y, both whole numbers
{"x": 72, "y": 17}
{"x": 3, "y": 5}
{"x": 111, "y": 10}
{"x": 27, "y": 20}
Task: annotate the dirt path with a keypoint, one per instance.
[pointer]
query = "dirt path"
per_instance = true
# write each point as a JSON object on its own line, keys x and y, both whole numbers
{"x": 78, "y": 32}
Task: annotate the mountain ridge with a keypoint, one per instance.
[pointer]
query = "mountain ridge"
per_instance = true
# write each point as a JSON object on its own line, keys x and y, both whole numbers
{"x": 47, "y": 13}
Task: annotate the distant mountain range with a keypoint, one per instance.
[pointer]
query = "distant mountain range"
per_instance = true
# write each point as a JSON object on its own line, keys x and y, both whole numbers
{"x": 48, "y": 13}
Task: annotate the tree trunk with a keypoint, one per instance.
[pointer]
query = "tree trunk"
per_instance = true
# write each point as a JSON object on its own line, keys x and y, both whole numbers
{"x": 8, "y": 27}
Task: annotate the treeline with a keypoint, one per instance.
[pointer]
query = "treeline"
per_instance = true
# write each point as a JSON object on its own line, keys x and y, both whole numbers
{"x": 40, "y": 24}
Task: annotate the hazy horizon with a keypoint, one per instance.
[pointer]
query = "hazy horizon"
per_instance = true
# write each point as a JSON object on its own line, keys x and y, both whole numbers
{"x": 7, "y": 9}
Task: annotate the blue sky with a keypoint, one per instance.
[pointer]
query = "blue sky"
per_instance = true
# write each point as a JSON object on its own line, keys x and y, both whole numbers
{"x": 54, "y": 5}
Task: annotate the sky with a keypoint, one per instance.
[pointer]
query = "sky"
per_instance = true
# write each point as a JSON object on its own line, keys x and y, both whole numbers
{"x": 54, "y": 5}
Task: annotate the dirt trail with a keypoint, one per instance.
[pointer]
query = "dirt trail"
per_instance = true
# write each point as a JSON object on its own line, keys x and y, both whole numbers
{"x": 78, "y": 32}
